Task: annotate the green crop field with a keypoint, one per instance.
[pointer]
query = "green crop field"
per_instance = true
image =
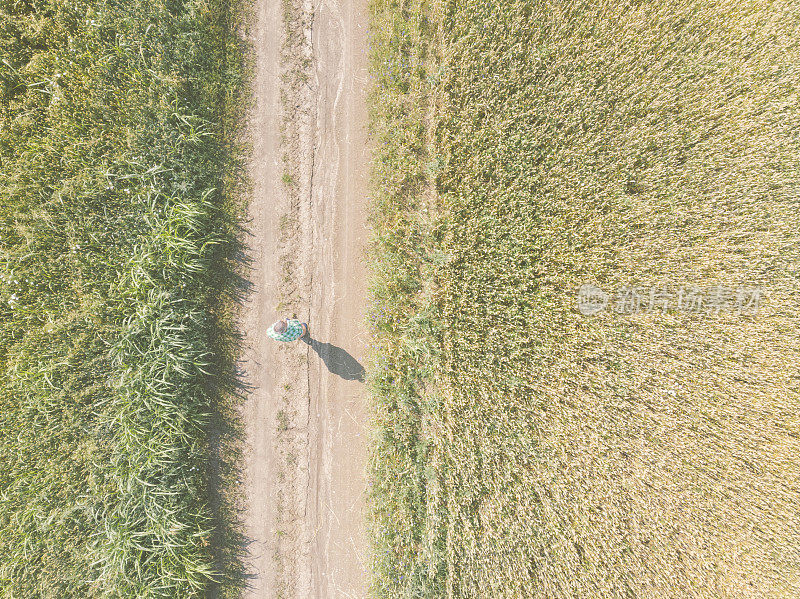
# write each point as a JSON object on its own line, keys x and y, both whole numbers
{"x": 117, "y": 229}
{"x": 524, "y": 149}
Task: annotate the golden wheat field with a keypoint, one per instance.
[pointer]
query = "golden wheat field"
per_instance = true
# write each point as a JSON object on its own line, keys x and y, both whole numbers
{"x": 523, "y": 448}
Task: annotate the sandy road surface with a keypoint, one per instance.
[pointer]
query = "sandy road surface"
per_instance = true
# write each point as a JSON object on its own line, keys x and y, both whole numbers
{"x": 305, "y": 415}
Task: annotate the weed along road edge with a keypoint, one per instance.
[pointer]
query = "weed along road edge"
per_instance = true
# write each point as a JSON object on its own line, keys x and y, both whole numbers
{"x": 304, "y": 417}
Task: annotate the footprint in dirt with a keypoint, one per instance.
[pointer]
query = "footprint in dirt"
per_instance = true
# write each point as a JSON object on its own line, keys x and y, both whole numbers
{"x": 337, "y": 360}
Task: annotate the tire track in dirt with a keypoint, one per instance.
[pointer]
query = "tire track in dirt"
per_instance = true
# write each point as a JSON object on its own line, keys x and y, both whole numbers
{"x": 337, "y": 441}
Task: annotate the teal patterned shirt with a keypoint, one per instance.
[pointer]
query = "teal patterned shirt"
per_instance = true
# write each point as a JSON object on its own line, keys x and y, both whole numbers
{"x": 293, "y": 331}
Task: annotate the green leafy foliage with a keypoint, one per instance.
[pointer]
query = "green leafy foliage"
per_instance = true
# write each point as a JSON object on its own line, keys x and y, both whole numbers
{"x": 115, "y": 240}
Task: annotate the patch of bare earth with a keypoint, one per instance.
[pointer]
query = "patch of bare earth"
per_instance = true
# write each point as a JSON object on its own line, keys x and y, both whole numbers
{"x": 304, "y": 458}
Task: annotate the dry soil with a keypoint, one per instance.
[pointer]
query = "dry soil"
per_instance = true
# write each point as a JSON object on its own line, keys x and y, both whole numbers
{"x": 305, "y": 414}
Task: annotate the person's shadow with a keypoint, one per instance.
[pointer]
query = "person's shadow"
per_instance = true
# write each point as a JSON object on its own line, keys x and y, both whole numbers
{"x": 337, "y": 360}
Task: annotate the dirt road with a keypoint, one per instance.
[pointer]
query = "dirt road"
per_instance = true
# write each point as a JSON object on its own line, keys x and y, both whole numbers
{"x": 305, "y": 414}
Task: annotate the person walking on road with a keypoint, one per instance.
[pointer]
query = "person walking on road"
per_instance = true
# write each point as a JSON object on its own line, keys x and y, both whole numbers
{"x": 288, "y": 329}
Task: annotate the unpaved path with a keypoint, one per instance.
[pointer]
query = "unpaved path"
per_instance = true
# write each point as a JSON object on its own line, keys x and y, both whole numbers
{"x": 305, "y": 413}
